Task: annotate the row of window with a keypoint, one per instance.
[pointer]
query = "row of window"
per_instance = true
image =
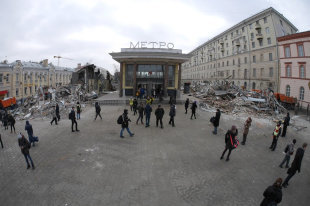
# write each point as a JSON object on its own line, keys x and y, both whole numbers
{"x": 302, "y": 71}
{"x": 300, "y": 50}
{"x": 301, "y": 92}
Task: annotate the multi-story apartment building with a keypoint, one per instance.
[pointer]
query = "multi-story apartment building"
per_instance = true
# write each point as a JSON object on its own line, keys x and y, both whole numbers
{"x": 22, "y": 79}
{"x": 246, "y": 54}
{"x": 294, "y": 53}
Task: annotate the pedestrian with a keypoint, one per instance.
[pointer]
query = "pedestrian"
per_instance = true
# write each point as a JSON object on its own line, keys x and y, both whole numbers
{"x": 172, "y": 115}
{"x": 54, "y": 115}
{"x": 28, "y": 128}
{"x": 193, "y": 108}
{"x": 231, "y": 141}
{"x": 286, "y": 123}
{"x": 135, "y": 105}
{"x": 247, "y": 126}
{"x": 1, "y": 142}
{"x": 159, "y": 113}
{"x": 147, "y": 111}
{"x": 125, "y": 123}
{"x": 57, "y": 112}
{"x": 275, "y": 135}
{"x": 1, "y": 117}
{"x": 12, "y": 121}
{"x": 141, "y": 111}
{"x": 73, "y": 120}
{"x": 25, "y": 146}
{"x": 98, "y": 110}
{"x": 273, "y": 194}
{"x": 5, "y": 121}
{"x": 296, "y": 164}
{"x": 186, "y": 105}
{"x": 289, "y": 150}
{"x": 216, "y": 121}
{"x": 131, "y": 103}
{"x": 78, "y": 110}
{"x": 148, "y": 100}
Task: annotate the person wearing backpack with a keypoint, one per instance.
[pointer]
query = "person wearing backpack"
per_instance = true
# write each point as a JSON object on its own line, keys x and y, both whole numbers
{"x": 273, "y": 194}
{"x": 98, "y": 110}
{"x": 124, "y": 121}
{"x": 289, "y": 150}
{"x": 78, "y": 110}
{"x": 231, "y": 141}
{"x": 141, "y": 112}
{"x": 159, "y": 113}
{"x": 24, "y": 147}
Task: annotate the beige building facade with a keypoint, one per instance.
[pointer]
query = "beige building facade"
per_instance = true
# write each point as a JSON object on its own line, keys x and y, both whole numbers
{"x": 23, "y": 79}
{"x": 246, "y": 54}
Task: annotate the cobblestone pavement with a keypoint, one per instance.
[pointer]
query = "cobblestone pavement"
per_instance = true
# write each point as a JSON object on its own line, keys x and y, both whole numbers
{"x": 170, "y": 166}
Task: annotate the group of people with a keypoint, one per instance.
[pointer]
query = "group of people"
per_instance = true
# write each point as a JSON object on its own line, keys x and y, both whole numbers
{"x": 7, "y": 119}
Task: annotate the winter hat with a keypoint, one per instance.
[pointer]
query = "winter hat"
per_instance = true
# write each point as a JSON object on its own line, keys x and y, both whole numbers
{"x": 233, "y": 127}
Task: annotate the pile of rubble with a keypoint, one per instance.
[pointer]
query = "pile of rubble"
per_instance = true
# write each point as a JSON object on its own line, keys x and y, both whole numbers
{"x": 232, "y": 99}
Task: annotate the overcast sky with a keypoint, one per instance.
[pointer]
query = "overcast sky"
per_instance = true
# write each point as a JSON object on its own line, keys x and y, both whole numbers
{"x": 88, "y": 30}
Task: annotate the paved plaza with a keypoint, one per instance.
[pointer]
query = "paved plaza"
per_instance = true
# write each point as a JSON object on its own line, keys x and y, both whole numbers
{"x": 172, "y": 166}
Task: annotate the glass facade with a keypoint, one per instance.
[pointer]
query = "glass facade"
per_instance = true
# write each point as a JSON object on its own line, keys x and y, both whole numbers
{"x": 150, "y": 71}
{"x": 129, "y": 75}
{"x": 171, "y": 77}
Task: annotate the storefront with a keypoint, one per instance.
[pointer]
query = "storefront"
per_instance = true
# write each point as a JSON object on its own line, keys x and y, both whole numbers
{"x": 157, "y": 71}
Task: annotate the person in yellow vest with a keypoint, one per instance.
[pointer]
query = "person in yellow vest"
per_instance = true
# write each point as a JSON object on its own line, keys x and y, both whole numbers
{"x": 275, "y": 135}
{"x": 148, "y": 101}
{"x": 131, "y": 103}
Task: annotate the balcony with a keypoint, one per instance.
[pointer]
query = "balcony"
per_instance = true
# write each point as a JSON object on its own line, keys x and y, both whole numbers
{"x": 259, "y": 36}
{"x": 222, "y": 49}
{"x": 238, "y": 43}
{"x": 258, "y": 27}
{"x": 222, "y": 42}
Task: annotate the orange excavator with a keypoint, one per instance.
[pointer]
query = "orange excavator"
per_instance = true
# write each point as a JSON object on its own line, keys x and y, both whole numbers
{"x": 287, "y": 102}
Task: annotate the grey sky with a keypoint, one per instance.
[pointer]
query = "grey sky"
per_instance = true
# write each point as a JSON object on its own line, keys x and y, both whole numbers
{"x": 87, "y": 30}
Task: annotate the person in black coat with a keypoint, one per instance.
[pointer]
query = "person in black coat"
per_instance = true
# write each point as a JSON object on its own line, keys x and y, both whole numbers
{"x": 141, "y": 112}
{"x": 98, "y": 110}
{"x": 57, "y": 112}
{"x": 24, "y": 147}
{"x": 172, "y": 115}
{"x": 73, "y": 120}
{"x": 147, "y": 111}
{"x": 159, "y": 113}
{"x": 125, "y": 124}
{"x": 230, "y": 141}
{"x": 273, "y": 194}
{"x": 296, "y": 164}
{"x": 216, "y": 121}
{"x": 12, "y": 121}
{"x": 286, "y": 123}
{"x": 186, "y": 105}
{"x": 1, "y": 141}
{"x": 193, "y": 108}
{"x": 135, "y": 106}
{"x": 28, "y": 128}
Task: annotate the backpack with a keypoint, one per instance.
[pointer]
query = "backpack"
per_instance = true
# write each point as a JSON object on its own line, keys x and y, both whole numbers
{"x": 120, "y": 120}
{"x": 286, "y": 149}
{"x": 70, "y": 115}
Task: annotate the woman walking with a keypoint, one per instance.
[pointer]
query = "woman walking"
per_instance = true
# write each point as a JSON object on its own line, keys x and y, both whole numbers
{"x": 230, "y": 141}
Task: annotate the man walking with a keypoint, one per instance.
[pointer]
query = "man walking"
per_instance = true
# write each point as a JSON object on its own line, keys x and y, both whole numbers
{"x": 1, "y": 142}
{"x": 285, "y": 124}
{"x": 98, "y": 110}
{"x": 54, "y": 115}
{"x": 12, "y": 121}
{"x": 186, "y": 105}
{"x": 57, "y": 112}
{"x": 140, "y": 111}
{"x": 78, "y": 110}
{"x": 289, "y": 150}
{"x": 230, "y": 141}
{"x": 135, "y": 105}
{"x": 247, "y": 126}
{"x": 28, "y": 128}
{"x": 148, "y": 111}
{"x": 296, "y": 165}
{"x": 193, "y": 108}
{"x": 125, "y": 125}
{"x": 216, "y": 121}
{"x": 73, "y": 120}
{"x": 275, "y": 135}
{"x": 159, "y": 113}
{"x": 25, "y": 146}
{"x": 172, "y": 115}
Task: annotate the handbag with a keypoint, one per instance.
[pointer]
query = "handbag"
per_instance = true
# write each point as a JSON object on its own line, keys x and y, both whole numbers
{"x": 212, "y": 119}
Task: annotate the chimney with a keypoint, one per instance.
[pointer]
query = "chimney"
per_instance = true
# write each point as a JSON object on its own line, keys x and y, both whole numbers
{"x": 79, "y": 66}
{"x": 45, "y": 62}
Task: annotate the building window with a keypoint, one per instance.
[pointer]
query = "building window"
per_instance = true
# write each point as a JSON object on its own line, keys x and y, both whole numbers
{"x": 252, "y": 35}
{"x": 231, "y": 34}
{"x": 171, "y": 71}
{"x": 222, "y": 64}
{"x": 239, "y": 62}
{"x": 128, "y": 75}
{"x": 265, "y": 20}
{"x": 233, "y": 62}
{"x": 245, "y": 60}
{"x": 270, "y": 72}
{"x": 254, "y": 59}
{"x": 253, "y": 44}
{"x": 245, "y": 74}
{"x": 30, "y": 90}
{"x": 287, "y": 51}
{"x": 260, "y": 42}
{"x": 17, "y": 77}
{"x": 267, "y": 30}
{"x": 254, "y": 72}
{"x": 242, "y": 29}
{"x": 250, "y": 25}
{"x": 301, "y": 93}
{"x": 233, "y": 74}
{"x": 281, "y": 22}
{"x": 7, "y": 77}
{"x": 261, "y": 57}
{"x": 288, "y": 71}
{"x": 17, "y": 91}
{"x": 269, "y": 40}
{"x": 253, "y": 85}
{"x": 25, "y": 90}
{"x": 270, "y": 56}
{"x": 302, "y": 71}
{"x": 262, "y": 72}
{"x": 25, "y": 77}
{"x": 300, "y": 50}
{"x": 1, "y": 77}
{"x": 288, "y": 91}
{"x": 245, "y": 85}
{"x": 227, "y": 63}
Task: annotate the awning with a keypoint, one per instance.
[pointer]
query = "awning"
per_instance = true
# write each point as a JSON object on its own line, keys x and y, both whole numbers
{"x": 3, "y": 92}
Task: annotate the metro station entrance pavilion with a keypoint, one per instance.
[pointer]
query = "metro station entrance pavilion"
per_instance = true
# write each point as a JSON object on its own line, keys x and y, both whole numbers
{"x": 156, "y": 70}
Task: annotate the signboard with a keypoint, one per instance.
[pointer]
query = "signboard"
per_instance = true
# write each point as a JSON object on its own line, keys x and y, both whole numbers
{"x": 151, "y": 44}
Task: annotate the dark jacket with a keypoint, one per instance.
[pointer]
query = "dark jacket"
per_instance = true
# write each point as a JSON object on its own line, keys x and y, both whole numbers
{"x": 159, "y": 112}
{"x": 24, "y": 145}
{"x": 135, "y": 104}
{"x": 141, "y": 110}
{"x": 148, "y": 110}
{"x": 98, "y": 108}
{"x": 216, "y": 122}
{"x": 194, "y": 107}
{"x": 296, "y": 164}
{"x": 273, "y": 196}
{"x": 125, "y": 121}
{"x": 11, "y": 119}
{"x": 287, "y": 121}
{"x": 57, "y": 109}
{"x": 72, "y": 115}
{"x": 230, "y": 139}
{"x": 186, "y": 104}
{"x": 28, "y": 128}
{"x": 172, "y": 111}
